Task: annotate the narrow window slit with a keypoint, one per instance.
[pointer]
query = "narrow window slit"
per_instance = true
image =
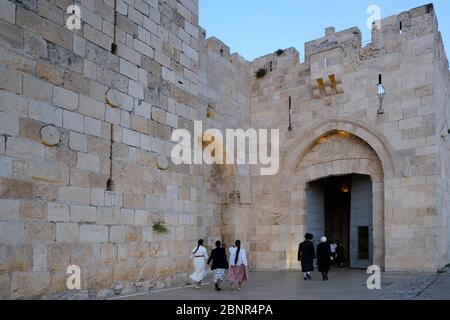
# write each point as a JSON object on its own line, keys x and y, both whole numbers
{"x": 114, "y": 43}
{"x": 110, "y": 182}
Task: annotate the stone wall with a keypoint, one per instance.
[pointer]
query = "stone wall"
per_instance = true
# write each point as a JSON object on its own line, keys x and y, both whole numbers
{"x": 336, "y": 89}
{"x": 68, "y": 105}
{"x": 85, "y": 130}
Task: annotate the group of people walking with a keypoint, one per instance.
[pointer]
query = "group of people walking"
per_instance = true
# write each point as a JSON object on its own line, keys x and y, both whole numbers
{"x": 326, "y": 254}
{"x": 236, "y": 266}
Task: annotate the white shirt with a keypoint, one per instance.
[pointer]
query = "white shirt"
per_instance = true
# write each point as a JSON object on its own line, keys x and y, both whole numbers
{"x": 242, "y": 259}
{"x": 201, "y": 253}
{"x": 333, "y": 248}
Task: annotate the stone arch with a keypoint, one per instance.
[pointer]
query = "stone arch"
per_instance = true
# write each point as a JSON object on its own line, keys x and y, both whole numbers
{"x": 380, "y": 167}
{"x": 371, "y": 136}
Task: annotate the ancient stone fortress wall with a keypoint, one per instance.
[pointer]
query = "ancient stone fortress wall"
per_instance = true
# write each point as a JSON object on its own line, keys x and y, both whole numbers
{"x": 86, "y": 118}
{"x": 76, "y": 113}
{"x": 335, "y": 91}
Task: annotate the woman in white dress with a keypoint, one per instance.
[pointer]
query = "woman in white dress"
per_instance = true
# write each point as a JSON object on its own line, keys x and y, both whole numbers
{"x": 199, "y": 255}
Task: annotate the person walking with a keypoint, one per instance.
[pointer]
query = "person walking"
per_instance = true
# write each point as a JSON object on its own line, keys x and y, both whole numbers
{"x": 306, "y": 255}
{"x": 333, "y": 251}
{"x": 324, "y": 258}
{"x": 340, "y": 254}
{"x": 219, "y": 264}
{"x": 238, "y": 265}
{"x": 199, "y": 255}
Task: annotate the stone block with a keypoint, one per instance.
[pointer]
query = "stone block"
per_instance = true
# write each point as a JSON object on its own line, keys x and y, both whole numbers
{"x": 9, "y": 209}
{"x": 57, "y": 34}
{"x": 134, "y": 201}
{"x": 50, "y": 12}
{"x": 32, "y": 210}
{"x": 143, "y": 109}
{"x": 37, "y": 89}
{"x": 146, "y": 50}
{"x": 65, "y": 98}
{"x": 73, "y": 121}
{"x": 5, "y": 286}
{"x": 49, "y": 173}
{"x": 58, "y": 256}
{"x": 158, "y": 115}
{"x": 49, "y": 73}
{"x": 10, "y": 80}
{"x": 9, "y": 124}
{"x": 171, "y": 120}
{"x": 28, "y": 19}
{"x": 88, "y": 162}
{"x": 40, "y": 231}
{"x": 46, "y": 113}
{"x": 117, "y": 234}
{"x": 14, "y": 258}
{"x": 128, "y": 69}
{"x": 38, "y": 47}
{"x": 39, "y": 257}
{"x": 135, "y": 90}
{"x": 16, "y": 189}
{"x": 131, "y": 137}
{"x": 93, "y": 233}
{"x": 11, "y": 34}
{"x": 129, "y": 54}
{"x": 141, "y": 217}
{"x": 29, "y": 285}
{"x": 83, "y": 214}
{"x": 127, "y": 216}
{"x": 23, "y": 148}
{"x": 8, "y": 11}
{"x": 67, "y": 232}
{"x": 31, "y": 129}
{"x": 74, "y": 195}
{"x": 78, "y": 142}
{"x": 108, "y": 216}
{"x": 12, "y": 103}
{"x": 97, "y": 197}
{"x": 146, "y": 142}
{"x": 79, "y": 45}
{"x": 77, "y": 82}
{"x": 92, "y": 127}
{"x": 139, "y": 124}
{"x": 57, "y": 212}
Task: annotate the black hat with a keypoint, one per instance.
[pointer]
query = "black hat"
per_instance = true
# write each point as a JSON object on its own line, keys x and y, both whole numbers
{"x": 309, "y": 236}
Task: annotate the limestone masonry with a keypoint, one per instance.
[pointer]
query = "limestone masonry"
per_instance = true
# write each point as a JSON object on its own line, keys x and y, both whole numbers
{"x": 86, "y": 118}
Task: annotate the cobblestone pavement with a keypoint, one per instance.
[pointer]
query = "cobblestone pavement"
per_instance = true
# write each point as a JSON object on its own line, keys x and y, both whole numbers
{"x": 343, "y": 284}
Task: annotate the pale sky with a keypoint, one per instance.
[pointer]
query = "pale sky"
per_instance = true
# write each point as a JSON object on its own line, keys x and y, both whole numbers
{"x": 258, "y": 27}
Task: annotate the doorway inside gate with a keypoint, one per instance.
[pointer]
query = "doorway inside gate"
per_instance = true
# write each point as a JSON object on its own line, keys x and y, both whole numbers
{"x": 340, "y": 208}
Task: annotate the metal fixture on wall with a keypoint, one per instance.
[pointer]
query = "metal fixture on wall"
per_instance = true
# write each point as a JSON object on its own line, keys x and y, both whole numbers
{"x": 381, "y": 94}
{"x": 290, "y": 114}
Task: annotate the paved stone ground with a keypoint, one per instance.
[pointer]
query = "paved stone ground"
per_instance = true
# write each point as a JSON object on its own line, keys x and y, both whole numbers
{"x": 344, "y": 284}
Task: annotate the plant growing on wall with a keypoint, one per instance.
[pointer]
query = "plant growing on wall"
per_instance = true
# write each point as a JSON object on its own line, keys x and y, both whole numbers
{"x": 260, "y": 73}
{"x": 160, "y": 227}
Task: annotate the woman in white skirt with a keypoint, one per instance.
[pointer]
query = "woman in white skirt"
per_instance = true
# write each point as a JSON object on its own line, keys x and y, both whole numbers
{"x": 199, "y": 256}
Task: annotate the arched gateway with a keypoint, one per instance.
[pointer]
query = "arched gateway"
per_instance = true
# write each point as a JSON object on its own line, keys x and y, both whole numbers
{"x": 338, "y": 179}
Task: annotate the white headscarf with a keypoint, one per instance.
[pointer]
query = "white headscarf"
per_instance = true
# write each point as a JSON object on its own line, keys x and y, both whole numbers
{"x": 323, "y": 239}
